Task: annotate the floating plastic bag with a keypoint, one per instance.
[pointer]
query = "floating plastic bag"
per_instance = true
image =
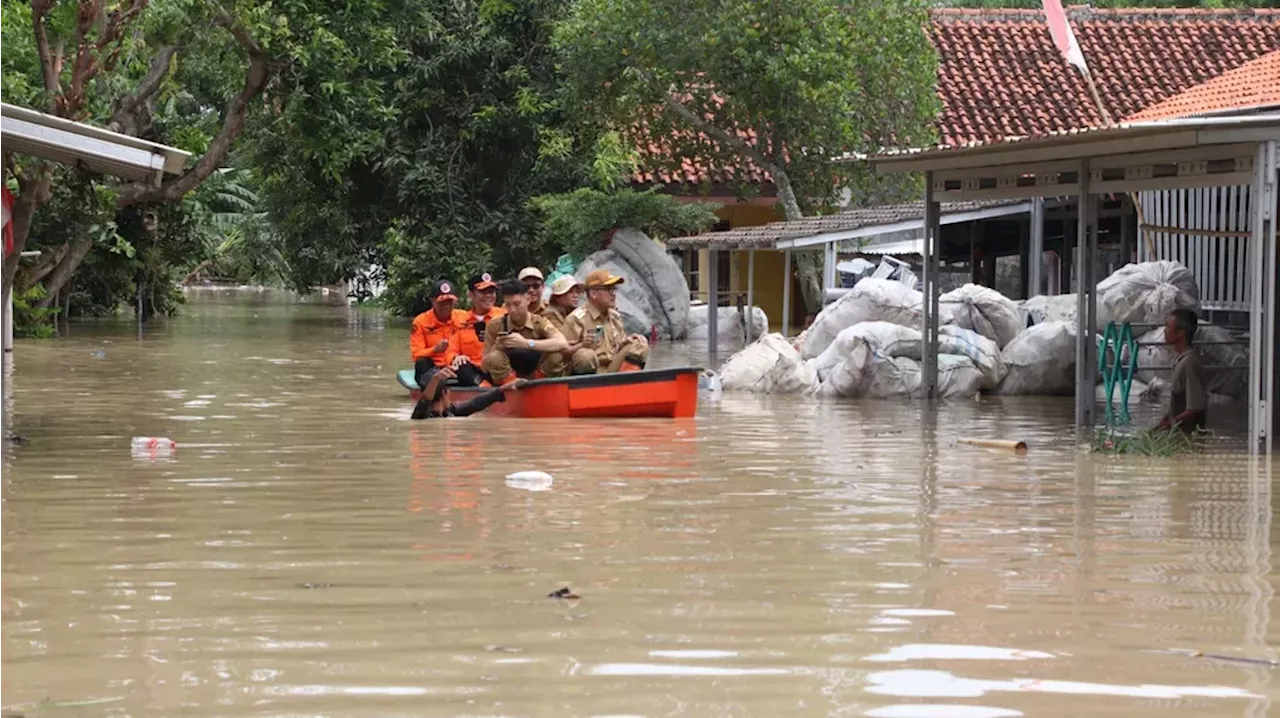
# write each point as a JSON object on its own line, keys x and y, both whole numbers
{"x": 985, "y": 311}
{"x": 530, "y": 480}
{"x": 769, "y": 366}
{"x": 1041, "y": 360}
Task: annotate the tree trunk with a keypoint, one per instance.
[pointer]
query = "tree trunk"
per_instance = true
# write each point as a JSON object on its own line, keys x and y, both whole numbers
{"x": 808, "y": 265}
{"x": 61, "y": 274}
{"x": 27, "y": 276}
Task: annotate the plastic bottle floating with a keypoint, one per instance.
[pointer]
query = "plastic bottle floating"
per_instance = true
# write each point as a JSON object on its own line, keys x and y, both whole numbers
{"x": 530, "y": 480}
{"x": 153, "y": 446}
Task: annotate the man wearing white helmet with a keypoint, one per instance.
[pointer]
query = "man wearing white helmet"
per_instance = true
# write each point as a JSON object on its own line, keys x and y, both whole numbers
{"x": 566, "y": 292}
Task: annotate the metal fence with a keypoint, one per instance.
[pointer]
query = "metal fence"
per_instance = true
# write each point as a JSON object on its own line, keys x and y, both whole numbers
{"x": 1207, "y": 230}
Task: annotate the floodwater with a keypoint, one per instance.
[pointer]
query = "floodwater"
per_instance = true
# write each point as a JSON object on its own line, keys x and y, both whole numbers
{"x": 310, "y": 551}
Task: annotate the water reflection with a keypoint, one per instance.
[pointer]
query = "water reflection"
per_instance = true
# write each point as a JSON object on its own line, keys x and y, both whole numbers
{"x": 309, "y": 550}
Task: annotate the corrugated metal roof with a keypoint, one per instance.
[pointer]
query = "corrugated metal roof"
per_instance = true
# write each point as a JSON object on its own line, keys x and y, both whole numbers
{"x": 767, "y": 235}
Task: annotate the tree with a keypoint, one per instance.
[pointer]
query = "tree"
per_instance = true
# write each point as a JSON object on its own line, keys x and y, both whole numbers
{"x": 190, "y": 73}
{"x": 435, "y": 182}
{"x": 783, "y": 86}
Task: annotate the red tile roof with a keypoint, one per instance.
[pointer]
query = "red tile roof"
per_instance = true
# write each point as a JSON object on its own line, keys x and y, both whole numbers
{"x": 1252, "y": 85}
{"x": 1000, "y": 76}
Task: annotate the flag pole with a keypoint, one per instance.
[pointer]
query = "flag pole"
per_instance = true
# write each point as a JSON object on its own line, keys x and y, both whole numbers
{"x": 1065, "y": 40}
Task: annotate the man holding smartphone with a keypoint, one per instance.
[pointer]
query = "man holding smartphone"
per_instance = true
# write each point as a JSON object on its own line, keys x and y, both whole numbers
{"x": 596, "y": 327}
{"x": 520, "y": 344}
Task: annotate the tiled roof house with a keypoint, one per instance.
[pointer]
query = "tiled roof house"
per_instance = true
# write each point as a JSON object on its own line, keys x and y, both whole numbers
{"x": 1000, "y": 76}
{"x": 1251, "y": 87}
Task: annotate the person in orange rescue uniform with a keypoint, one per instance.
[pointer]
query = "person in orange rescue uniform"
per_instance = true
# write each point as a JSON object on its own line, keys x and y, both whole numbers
{"x": 433, "y": 340}
{"x": 483, "y": 293}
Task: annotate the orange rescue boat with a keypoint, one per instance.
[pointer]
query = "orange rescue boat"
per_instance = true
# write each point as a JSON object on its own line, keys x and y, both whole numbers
{"x": 660, "y": 393}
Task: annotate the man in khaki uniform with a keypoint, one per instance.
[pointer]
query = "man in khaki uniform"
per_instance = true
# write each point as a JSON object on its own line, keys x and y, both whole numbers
{"x": 521, "y": 344}
{"x": 566, "y": 292}
{"x": 532, "y": 278}
{"x": 594, "y": 331}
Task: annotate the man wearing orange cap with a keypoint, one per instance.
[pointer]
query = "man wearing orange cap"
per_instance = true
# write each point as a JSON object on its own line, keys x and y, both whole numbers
{"x": 483, "y": 293}
{"x": 433, "y": 340}
{"x": 596, "y": 328}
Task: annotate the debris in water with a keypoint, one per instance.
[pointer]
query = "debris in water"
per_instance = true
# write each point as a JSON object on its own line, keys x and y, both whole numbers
{"x": 566, "y": 593}
{"x": 1267, "y": 662}
{"x": 313, "y": 586}
{"x": 530, "y": 480}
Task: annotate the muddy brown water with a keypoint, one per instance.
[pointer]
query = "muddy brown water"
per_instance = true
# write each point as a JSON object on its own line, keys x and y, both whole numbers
{"x": 310, "y": 551}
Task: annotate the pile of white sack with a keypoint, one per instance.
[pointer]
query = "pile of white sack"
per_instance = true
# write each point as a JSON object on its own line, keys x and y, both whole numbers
{"x": 868, "y": 342}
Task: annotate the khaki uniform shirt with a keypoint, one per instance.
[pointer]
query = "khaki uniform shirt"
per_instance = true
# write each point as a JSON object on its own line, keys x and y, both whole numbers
{"x": 556, "y": 315}
{"x": 605, "y": 325}
{"x": 535, "y": 327}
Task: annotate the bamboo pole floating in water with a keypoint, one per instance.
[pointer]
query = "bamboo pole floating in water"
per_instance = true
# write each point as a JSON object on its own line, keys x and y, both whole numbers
{"x": 1010, "y": 444}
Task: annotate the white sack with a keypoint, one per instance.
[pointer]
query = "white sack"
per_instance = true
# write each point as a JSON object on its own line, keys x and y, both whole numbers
{"x": 1045, "y": 308}
{"x": 1041, "y": 360}
{"x": 1152, "y": 352}
{"x": 984, "y": 352}
{"x": 1145, "y": 293}
{"x": 729, "y": 323}
{"x": 844, "y": 366}
{"x": 985, "y": 311}
{"x": 769, "y": 366}
{"x": 902, "y": 376}
{"x": 870, "y": 300}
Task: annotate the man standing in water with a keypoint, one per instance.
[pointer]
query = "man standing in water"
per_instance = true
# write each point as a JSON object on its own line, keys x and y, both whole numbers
{"x": 433, "y": 340}
{"x": 597, "y": 327}
{"x": 521, "y": 343}
{"x": 1188, "y": 400}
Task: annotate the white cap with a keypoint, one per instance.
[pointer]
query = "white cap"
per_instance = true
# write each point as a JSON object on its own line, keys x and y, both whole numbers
{"x": 563, "y": 284}
{"x": 530, "y": 272}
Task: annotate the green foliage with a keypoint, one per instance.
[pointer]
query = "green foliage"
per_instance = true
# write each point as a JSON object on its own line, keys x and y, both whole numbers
{"x": 29, "y": 320}
{"x": 806, "y": 81}
{"x": 1037, "y": 4}
{"x": 1151, "y": 442}
{"x": 577, "y": 220}
{"x": 431, "y": 173}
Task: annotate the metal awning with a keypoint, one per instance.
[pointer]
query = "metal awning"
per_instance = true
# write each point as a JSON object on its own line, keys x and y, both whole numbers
{"x": 1166, "y": 154}
{"x": 41, "y": 135}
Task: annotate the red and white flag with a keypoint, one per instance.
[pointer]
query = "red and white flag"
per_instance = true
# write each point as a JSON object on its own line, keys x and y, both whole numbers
{"x": 8, "y": 224}
{"x": 1060, "y": 29}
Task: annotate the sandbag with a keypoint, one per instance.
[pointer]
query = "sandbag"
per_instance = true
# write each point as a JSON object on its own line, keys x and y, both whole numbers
{"x": 870, "y": 300}
{"x": 902, "y": 376}
{"x": 1044, "y": 308}
{"x": 662, "y": 276}
{"x": 729, "y": 323}
{"x": 984, "y": 352}
{"x": 1145, "y": 293}
{"x": 769, "y": 366}
{"x": 1153, "y": 352}
{"x": 985, "y": 311}
{"x": 1041, "y": 360}
{"x": 844, "y": 366}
